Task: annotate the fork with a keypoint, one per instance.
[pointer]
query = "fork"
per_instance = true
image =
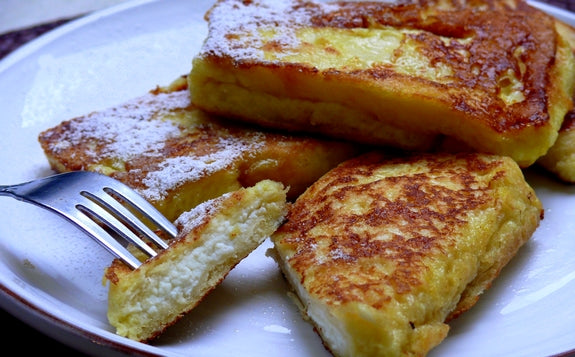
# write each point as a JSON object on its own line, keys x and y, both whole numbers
{"x": 102, "y": 207}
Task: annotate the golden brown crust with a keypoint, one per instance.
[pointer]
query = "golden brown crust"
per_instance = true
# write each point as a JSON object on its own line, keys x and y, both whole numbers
{"x": 402, "y": 244}
{"x": 560, "y": 159}
{"x": 492, "y": 72}
{"x": 212, "y": 239}
{"x": 177, "y": 156}
{"x": 429, "y": 216}
{"x": 495, "y": 37}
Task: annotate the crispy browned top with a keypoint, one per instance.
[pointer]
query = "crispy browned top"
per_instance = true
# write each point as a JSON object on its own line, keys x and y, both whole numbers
{"x": 154, "y": 143}
{"x": 504, "y": 37}
{"x": 159, "y": 142}
{"x": 496, "y": 34}
{"x": 369, "y": 226}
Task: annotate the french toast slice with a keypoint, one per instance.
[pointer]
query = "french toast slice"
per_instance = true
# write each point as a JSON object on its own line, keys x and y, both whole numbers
{"x": 213, "y": 238}
{"x": 177, "y": 156}
{"x": 383, "y": 251}
{"x": 495, "y": 75}
{"x": 560, "y": 159}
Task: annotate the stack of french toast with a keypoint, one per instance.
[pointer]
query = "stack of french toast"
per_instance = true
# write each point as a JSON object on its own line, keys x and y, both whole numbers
{"x": 380, "y": 145}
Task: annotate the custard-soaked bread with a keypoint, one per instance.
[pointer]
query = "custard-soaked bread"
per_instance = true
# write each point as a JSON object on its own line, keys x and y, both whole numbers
{"x": 177, "y": 156}
{"x": 560, "y": 159}
{"x": 213, "y": 237}
{"x": 496, "y": 75}
{"x": 383, "y": 251}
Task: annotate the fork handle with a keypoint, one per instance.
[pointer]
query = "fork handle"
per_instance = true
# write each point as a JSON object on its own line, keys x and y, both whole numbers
{"x": 15, "y": 191}
{"x": 25, "y": 191}
{"x": 6, "y": 190}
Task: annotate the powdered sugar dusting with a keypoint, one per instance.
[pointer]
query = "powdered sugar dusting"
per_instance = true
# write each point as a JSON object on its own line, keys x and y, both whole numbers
{"x": 126, "y": 131}
{"x": 192, "y": 218}
{"x": 178, "y": 170}
{"x": 142, "y": 129}
{"x": 240, "y": 29}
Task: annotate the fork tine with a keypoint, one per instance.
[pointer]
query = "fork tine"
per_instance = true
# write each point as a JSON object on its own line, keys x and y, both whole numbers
{"x": 91, "y": 209}
{"x": 99, "y": 204}
{"x": 144, "y": 207}
{"x": 104, "y": 238}
{"x": 119, "y": 210}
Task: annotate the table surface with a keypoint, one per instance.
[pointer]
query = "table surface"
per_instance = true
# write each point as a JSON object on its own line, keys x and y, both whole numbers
{"x": 17, "y": 329}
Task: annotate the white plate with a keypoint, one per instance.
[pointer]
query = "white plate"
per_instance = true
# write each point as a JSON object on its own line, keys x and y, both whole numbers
{"x": 51, "y": 274}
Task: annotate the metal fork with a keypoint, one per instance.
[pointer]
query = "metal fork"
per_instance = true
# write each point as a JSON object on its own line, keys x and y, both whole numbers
{"x": 102, "y": 207}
